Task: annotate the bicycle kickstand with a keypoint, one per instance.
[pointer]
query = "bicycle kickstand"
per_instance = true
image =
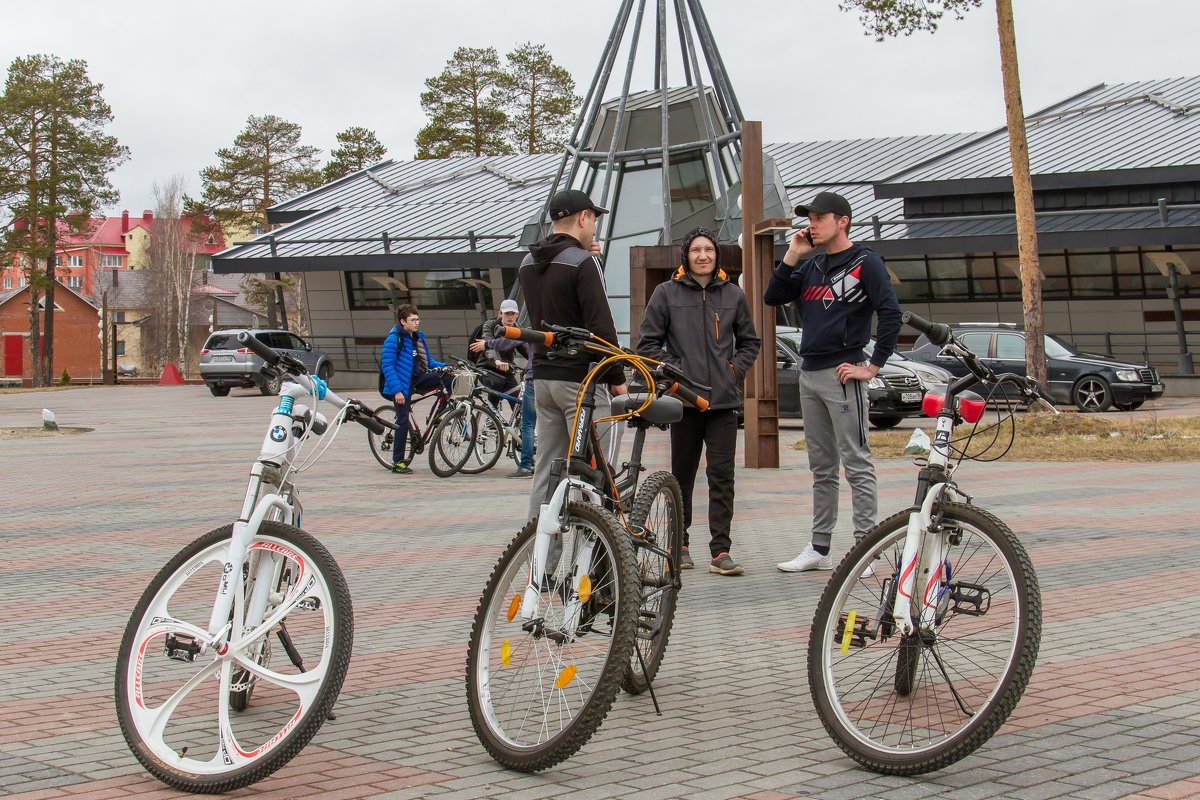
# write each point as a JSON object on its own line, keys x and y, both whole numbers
{"x": 649, "y": 683}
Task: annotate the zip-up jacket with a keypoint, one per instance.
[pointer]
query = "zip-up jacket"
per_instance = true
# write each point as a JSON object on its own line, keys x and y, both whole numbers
{"x": 396, "y": 360}
{"x": 839, "y": 294}
{"x": 706, "y": 331}
{"x": 563, "y": 284}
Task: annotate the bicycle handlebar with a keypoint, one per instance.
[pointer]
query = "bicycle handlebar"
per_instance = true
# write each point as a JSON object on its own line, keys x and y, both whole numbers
{"x": 528, "y": 335}
{"x": 260, "y": 349}
{"x": 684, "y": 393}
{"x": 939, "y": 333}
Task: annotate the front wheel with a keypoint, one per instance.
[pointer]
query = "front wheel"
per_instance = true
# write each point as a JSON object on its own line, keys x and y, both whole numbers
{"x": 908, "y": 703}
{"x": 186, "y": 710}
{"x": 218, "y": 391}
{"x": 382, "y": 443}
{"x": 540, "y": 681}
{"x": 1092, "y": 393}
{"x": 453, "y": 441}
{"x": 488, "y": 435}
{"x": 885, "y": 423}
{"x": 657, "y": 521}
{"x": 1132, "y": 406}
{"x": 270, "y": 386}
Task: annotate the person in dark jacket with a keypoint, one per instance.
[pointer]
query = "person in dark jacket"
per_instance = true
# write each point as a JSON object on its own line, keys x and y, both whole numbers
{"x": 506, "y": 348}
{"x": 500, "y": 364}
{"x": 701, "y": 323}
{"x": 408, "y": 369}
{"x": 562, "y": 280}
{"x": 841, "y": 290}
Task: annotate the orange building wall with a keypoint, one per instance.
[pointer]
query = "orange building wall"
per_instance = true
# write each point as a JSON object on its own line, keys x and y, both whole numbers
{"x": 76, "y": 334}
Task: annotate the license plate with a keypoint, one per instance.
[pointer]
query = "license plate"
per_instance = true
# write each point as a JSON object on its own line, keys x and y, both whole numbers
{"x": 910, "y": 397}
{"x": 222, "y": 358}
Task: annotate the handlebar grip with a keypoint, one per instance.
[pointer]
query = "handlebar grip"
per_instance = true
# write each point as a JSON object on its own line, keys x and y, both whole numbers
{"x": 939, "y": 333}
{"x": 529, "y": 335}
{"x": 684, "y": 393}
{"x": 261, "y": 350}
{"x": 675, "y": 374}
{"x": 372, "y": 424}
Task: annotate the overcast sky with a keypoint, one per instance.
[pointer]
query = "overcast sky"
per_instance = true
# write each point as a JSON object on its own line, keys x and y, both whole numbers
{"x": 183, "y": 77}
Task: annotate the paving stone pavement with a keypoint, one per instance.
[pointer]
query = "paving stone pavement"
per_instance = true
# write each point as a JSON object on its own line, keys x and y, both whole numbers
{"x": 1113, "y": 709}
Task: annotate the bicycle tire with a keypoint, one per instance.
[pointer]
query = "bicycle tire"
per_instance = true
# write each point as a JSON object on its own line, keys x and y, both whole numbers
{"x": 167, "y": 707}
{"x": 382, "y": 443}
{"x": 887, "y": 699}
{"x": 488, "y": 435}
{"x": 657, "y": 521}
{"x": 514, "y": 680}
{"x": 453, "y": 441}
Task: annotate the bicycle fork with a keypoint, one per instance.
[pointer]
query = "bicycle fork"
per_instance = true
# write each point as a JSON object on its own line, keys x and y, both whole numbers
{"x": 924, "y": 567}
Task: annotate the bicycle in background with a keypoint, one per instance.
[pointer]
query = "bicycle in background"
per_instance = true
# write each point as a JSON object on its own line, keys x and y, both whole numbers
{"x": 430, "y": 422}
{"x": 582, "y": 600}
{"x": 927, "y": 632}
{"x": 236, "y": 651}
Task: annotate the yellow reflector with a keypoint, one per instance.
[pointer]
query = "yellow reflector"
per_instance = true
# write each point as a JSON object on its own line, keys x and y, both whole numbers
{"x": 848, "y": 631}
{"x": 513, "y": 606}
{"x": 565, "y": 677}
{"x": 585, "y": 591}
{"x": 505, "y": 653}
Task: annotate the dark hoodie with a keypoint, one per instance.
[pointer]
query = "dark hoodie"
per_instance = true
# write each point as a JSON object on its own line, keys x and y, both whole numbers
{"x": 563, "y": 284}
{"x": 705, "y": 331}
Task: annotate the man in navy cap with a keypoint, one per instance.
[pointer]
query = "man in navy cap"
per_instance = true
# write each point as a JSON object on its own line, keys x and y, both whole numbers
{"x": 841, "y": 288}
{"x": 562, "y": 279}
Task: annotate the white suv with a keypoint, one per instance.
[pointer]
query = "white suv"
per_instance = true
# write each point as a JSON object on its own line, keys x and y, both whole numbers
{"x": 225, "y": 363}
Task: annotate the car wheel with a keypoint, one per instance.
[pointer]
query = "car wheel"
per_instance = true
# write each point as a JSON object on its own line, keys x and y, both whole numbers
{"x": 270, "y": 386}
{"x": 325, "y": 372}
{"x": 1134, "y": 406}
{"x": 884, "y": 423}
{"x": 1092, "y": 394}
{"x": 219, "y": 391}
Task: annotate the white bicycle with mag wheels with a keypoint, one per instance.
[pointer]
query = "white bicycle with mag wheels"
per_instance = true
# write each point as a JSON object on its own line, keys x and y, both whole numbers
{"x": 927, "y": 632}
{"x": 236, "y": 651}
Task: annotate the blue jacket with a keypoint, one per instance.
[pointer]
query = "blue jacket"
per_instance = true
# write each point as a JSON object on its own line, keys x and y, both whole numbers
{"x": 838, "y": 296}
{"x": 396, "y": 361}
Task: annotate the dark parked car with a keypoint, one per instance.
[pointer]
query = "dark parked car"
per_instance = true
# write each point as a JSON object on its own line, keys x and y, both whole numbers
{"x": 225, "y": 363}
{"x": 1091, "y": 382}
{"x": 895, "y": 393}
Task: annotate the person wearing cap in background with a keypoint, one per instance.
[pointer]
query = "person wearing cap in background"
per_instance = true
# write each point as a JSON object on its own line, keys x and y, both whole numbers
{"x": 498, "y": 344}
{"x": 840, "y": 289}
{"x": 501, "y": 362}
{"x": 562, "y": 280}
{"x": 700, "y": 322}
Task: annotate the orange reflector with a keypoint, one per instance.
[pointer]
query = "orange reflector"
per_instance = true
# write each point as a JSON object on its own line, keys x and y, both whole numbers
{"x": 585, "y": 589}
{"x": 505, "y": 653}
{"x": 513, "y": 606}
{"x": 565, "y": 677}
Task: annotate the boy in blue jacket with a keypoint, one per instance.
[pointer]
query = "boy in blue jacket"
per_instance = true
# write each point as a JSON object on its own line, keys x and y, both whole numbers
{"x": 840, "y": 290}
{"x": 408, "y": 369}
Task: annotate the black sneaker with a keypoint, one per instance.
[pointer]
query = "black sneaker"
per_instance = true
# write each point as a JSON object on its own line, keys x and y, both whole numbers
{"x": 402, "y": 468}
{"x": 521, "y": 472}
{"x": 685, "y": 559}
{"x": 723, "y": 564}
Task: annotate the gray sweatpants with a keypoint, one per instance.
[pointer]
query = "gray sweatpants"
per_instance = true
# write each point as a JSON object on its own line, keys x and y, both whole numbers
{"x": 835, "y": 432}
{"x": 555, "y": 402}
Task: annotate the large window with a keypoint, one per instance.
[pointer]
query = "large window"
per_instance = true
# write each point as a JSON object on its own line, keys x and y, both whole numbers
{"x": 74, "y": 261}
{"x": 110, "y": 261}
{"x": 426, "y": 290}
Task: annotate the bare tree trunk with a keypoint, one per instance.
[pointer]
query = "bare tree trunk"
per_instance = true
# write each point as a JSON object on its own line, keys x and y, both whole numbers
{"x": 1027, "y": 246}
{"x": 172, "y": 256}
{"x": 51, "y": 245}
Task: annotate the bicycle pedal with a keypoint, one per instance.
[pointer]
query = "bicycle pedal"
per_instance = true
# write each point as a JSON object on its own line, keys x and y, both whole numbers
{"x": 858, "y": 635}
{"x": 181, "y": 647}
{"x": 962, "y": 595}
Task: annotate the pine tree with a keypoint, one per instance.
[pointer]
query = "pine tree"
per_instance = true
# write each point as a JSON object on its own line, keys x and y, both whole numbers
{"x": 541, "y": 101}
{"x": 884, "y": 18}
{"x": 266, "y": 165}
{"x": 55, "y": 161}
{"x": 357, "y": 149}
{"x": 465, "y": 108}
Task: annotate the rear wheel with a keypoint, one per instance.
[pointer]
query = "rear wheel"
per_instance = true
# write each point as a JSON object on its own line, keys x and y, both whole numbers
{"x": 540, "y": 681}
{"x": 219, "y": 391}
{"x": 185, "y": 709}
{"x": 657, "y": 521}
{"x": 907, "y": 703}
{"x": 452, "y": 443}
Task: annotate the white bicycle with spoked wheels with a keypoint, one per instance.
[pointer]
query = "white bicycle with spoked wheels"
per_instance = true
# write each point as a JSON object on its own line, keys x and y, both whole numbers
{"x": 236, "y": 651}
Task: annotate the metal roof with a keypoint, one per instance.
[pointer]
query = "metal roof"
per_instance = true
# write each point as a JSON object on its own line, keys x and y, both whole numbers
{"x": 1128, "y": 126}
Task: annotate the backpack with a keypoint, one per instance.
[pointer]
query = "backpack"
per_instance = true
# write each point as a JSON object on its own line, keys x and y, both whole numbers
{"x": 472, "y": 356}
{"x": 382, "y": 377}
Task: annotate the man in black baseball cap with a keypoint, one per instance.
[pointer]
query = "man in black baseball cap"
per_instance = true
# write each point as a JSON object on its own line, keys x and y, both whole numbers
{"x": 823, "y": 203}
{"x": 572, "y": 201}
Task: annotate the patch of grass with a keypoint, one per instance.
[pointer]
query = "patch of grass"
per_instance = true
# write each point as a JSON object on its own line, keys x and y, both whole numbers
{"x": 1066, "y": 437}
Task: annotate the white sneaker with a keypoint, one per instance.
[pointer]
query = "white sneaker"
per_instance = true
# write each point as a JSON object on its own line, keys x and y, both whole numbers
{"x": 807, "y": 560}
{"x": 868, "y": 572}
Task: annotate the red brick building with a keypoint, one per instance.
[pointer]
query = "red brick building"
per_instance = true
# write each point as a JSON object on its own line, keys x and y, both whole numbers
{"x": 76, "y": 335}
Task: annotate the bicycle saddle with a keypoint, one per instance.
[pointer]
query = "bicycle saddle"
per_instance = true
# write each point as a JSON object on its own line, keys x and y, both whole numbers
{"x": 661, "y": 411}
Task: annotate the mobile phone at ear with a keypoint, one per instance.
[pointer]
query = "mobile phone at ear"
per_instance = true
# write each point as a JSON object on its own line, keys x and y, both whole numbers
{"x": 807, "y": 234}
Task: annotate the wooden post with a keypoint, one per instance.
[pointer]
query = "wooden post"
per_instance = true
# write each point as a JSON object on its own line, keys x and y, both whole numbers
{"x": 758, "y": 257}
